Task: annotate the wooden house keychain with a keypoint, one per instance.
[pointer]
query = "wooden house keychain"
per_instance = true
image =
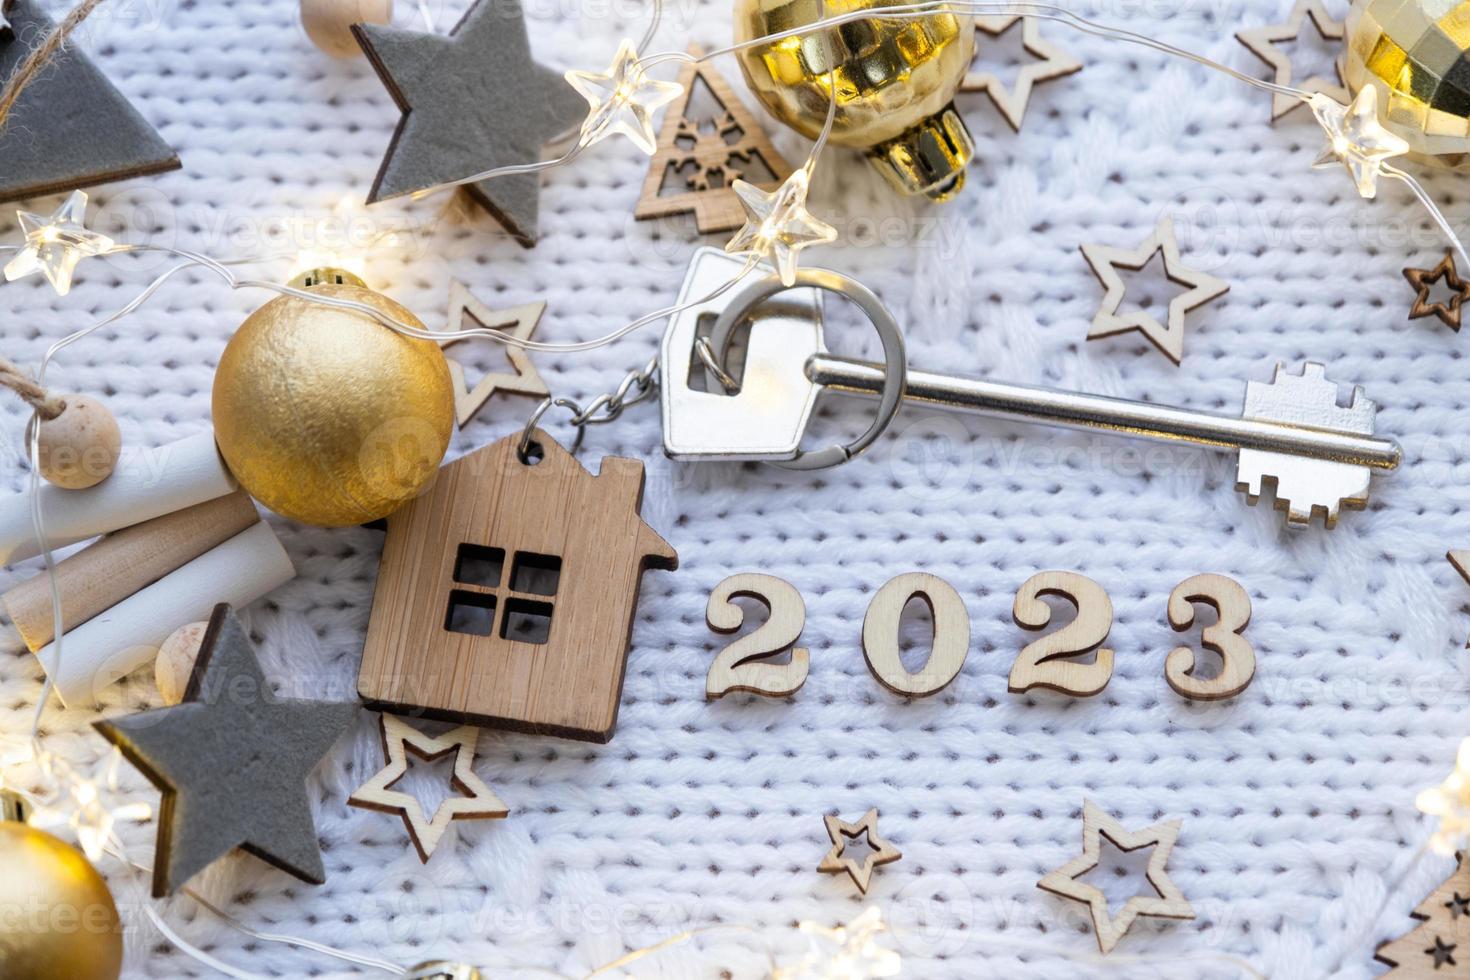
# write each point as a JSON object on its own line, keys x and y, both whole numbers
{"x": 506, "y": 591}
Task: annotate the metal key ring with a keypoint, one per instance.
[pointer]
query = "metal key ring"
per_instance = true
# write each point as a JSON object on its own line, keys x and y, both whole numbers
{"x": 895, "y": 361}
{"x": 523, "y": 447}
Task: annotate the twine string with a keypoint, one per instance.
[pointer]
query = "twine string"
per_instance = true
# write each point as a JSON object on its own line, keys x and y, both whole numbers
{"x": 46, "y": 405}
{"x": 39, "y": 58}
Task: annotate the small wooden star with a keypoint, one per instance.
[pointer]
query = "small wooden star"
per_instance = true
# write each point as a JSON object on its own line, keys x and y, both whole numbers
{"x": 517, "y": 321}
{"x": 1052, "y": 63}
{"x": 1441, "y": 951}
{"x": 1424, "y": 279}
{"x": 399, "y": 739}
{"x": 1106, "y": 261}
{"x": 841, "y": 833}
{"x": 1458, "y": 905}
{"x": 1096, "y": 824}
{"x": 1262, "y": 41}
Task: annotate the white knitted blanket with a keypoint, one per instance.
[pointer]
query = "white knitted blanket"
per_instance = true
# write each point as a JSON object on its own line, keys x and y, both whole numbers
{"x": 1297, "y": 799}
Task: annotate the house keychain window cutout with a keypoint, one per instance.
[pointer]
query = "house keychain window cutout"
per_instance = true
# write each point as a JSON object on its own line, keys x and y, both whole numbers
{"x": 506, "y": 592}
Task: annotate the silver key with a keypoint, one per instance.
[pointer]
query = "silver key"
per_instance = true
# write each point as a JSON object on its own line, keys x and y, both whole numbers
{"x": 1293, "y": 434}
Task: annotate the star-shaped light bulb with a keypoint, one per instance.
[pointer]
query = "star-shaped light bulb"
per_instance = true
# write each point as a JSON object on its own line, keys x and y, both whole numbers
{"x": 1356, "y": 139}
{"x": 849, "y": 952}
{"x": 623, "y": 100}
{"x": 778, "y": 225}
{"x": 1450, "y": 802}
{"x": 54, "y": 245}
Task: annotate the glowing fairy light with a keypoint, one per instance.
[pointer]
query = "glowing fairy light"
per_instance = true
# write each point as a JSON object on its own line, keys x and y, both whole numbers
{"x": 55, "y": 244}
{"x": 778, "y": 225}
{"x": 623, "y": 100}
{"x": 1356, "y": 139}
{"x": 1450, "y": 802}
{"x": 849, "y": 952}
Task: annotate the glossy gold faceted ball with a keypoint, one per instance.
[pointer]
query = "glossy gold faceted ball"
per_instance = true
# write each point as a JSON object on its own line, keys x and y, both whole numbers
{"x": 895, "y": 82}
{"x": 57, "y": 918}
{"x": 1417, "y": 54}
{"x": 327, "y": 416}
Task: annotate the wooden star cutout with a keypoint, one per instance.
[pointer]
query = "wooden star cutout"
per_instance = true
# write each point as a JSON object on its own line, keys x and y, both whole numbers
{"x": 232, "y": 762}
{"x": 1262, "y": 41}
{"x": 1424, "y": 279}
{"x": 1106, "y": 261}
{"x": 1053, "y": 63}
{"x": 841, "y": 833}
{"x": 479, "y": 802}
{"x": 1168, "y": 904}
{"x": 472, "y": 101}
{"x": 1461, "y": 560}
{"x": 517, "y": 321}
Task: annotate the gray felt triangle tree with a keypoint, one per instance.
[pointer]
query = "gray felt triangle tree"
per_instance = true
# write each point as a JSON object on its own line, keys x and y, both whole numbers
{"x": 70, "y": 128}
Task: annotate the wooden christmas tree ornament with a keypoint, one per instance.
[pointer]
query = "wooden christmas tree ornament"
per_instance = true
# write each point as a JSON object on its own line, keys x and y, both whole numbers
{"x": 479, "y": 801}
{"x": 1233, "y": 607}
{"x": 842, "y": 833}
{"x": 1168, "y": 903}
{"x": 740, "y": 666}
{"x": 1048, "y": 662}
{"x": 699, "y": 158}
{"x": 506, "y": 592}
{"x": 1440, "y": 947}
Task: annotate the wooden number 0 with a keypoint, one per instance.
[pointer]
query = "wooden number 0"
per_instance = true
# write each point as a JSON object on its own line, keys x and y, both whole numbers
{"x": 1038, "y": 664}
{"x": 733, "y": 669}
{"x": 1234, "y": 607}
{"x": 951, "y": 634}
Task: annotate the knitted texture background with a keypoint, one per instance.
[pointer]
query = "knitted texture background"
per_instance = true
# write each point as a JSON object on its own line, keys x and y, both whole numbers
{"x": 1300, "y": 836}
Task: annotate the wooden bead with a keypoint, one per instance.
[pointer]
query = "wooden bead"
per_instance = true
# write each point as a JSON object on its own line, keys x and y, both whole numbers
{"x": 176, "y": 661}
{"x": 329, "y": 22}
{"x": 79, "y": 448}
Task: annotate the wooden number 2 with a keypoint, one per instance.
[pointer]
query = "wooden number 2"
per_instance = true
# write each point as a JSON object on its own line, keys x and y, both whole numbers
{"x": 1038, "y": 664}
{"x": 733, "y": 669}
{"x": 1234, "y": 607}
{"x": 951, "y": 634}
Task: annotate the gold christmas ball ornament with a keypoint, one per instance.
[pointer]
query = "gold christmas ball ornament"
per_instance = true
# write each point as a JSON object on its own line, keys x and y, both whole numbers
{"x": 325, "y": 415}
{"x": 1417, "y": 54}
{"x": 895, "y": 82}
{"x": 57, "y": 918}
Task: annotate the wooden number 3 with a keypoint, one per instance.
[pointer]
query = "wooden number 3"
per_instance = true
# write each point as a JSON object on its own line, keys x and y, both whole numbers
{"x": 735, "y": 668}
{"x": 1044, "y": 662}
{"x": 1234, "y": 608}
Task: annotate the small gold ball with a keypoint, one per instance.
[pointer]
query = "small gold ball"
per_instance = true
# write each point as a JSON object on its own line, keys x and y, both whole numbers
{"x": 79, "y": 448}
{"x": 329, "y": 23}
{"x": 57, "y": 918}
{"x": 175, "y": 662}
{"x": 328, "y": 417}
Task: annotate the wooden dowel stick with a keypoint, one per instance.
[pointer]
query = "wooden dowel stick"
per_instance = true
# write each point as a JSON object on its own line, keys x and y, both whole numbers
{"x": 123, "y": 638}
{"x": 101, "y": 576}
{"x": 147, "y": 483}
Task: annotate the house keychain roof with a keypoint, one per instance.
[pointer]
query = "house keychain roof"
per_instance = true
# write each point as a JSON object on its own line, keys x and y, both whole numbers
{"x": 506, "y": 593}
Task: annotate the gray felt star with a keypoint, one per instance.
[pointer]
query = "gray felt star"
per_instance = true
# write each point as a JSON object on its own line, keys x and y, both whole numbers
{"x": 232, "y": 762}
{"x": 472, "y": 101}
{"x": 69, "y": 128}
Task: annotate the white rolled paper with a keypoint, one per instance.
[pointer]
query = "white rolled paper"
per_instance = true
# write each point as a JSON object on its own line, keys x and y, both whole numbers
{"x": 118, "y": 641}
{"x": 147, "y": 483}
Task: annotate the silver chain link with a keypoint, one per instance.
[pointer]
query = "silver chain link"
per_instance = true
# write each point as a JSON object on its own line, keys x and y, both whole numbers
{"x": 637, "y": 386}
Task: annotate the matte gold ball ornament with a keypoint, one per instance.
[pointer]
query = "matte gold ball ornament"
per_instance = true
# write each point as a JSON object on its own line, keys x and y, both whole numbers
{"x": 1417, "y": 54}
{"x": 325, "y": 415}
{"x": 57, "y": 918}
{"x": 895, "y": 80}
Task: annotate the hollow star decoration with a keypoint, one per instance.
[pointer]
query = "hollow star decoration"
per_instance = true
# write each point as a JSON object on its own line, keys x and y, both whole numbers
{"x": 401, "y": 738}
{"x": 54, "y": 245}
{"x": 1169, "y": 903}
{"x": 1051, "y": 63}
{"x": 778, "y": 225}
{"x": 841, "y": 832}
{"x": 1262, "y": 42}
{"x": 623, "y": 100}
{"x": 517, "y": 321}
{"x": 1423, "y": 281}
{"x": 1356, "y": 139}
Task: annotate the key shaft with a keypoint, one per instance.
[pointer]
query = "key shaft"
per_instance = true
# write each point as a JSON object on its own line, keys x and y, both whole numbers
{"x": 1074, "y": 410}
